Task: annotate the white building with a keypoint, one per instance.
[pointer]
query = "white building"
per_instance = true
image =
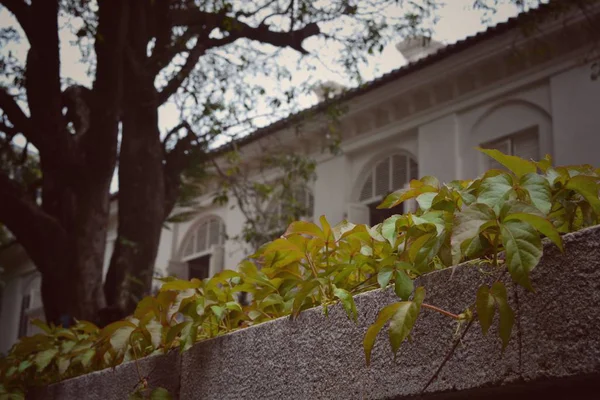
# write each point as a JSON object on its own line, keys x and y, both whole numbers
{"x": 528, "y": 95}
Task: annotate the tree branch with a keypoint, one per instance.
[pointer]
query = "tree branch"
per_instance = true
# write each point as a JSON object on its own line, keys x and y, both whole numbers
{"x": 175, "y": 82}
{"x": 16, "y": 116}
{"x": 176, "y": 161}
{"x": 239, "y": 29}
{"x": 21, "y": 11}
{"x": 262, "y": 33}
{"x": 34, "y": 229}
{"x": 161, "y": 57}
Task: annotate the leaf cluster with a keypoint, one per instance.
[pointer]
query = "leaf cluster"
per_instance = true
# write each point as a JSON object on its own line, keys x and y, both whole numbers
{"x": 499, "y": 218}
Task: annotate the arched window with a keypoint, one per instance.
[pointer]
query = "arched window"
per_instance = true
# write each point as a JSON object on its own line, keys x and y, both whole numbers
{"x": 209, "y": 232}
{"x": 389, "y": 174}
{"x": 202, "y": 248}
{"x": 514, "y": 127}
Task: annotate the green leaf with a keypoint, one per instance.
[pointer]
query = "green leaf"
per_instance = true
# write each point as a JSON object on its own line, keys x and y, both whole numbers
{"x": 63, "y": 365}
{"x": 154, "y": 328}
{"x": 306, "y": 289}
{"x": 466, "y": 226}
{"x": 233, "y": 306}
{"x": 42, "y": 325}
{"x": 272, "y": 299}
{"x": 402, "y": 323}
{"x": 384, "y": 316}
{"x": 347, "y": 302}
{"x": 218, "y": 311}
{"x": 425, "y": 200}
{"x": 507, "y": 317}
{"x": 176, "y": 330}
{"x": 428, "y": 251}
{"x": 254, "y": 314}
{"x": 384, "y": 276}
{"x": 588, "y": 188}
{"x": 543, "y": 225}
{"x": 485, "y": 308}
{"x": 402, "y": 195}
{"x": 388, "y": 228}
{"x": 495, "y": 189}
{"x": 539, "y": 191}
{"x": 85, "y": 358}
{"x": 515, "y": 164}
{"x": 43, "y": 358}
{"x": 523, "y": 250}
{"x": 160, "y": 394}
{"x": 120, "y": 338}
{"x": 305, "y": 228}
{"x": 404, "y": 285}
{"x": 419, "y": 295}
{"x": 415, "y": 246}
{"x": 137, "y": 395}
{"x": 23, "y": 365}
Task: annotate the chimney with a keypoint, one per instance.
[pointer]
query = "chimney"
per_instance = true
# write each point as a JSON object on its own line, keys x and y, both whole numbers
{"x": 415, "y": 48}
{"x": 327, "y": 90}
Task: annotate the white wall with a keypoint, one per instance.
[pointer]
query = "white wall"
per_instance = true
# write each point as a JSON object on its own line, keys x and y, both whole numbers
{"x": 16, "y": 286}
{"x": 330, "y": 189}
{"x": 576, "y": 117}
{"x": 438, "y": 148}
{"x": 9, "y": 315}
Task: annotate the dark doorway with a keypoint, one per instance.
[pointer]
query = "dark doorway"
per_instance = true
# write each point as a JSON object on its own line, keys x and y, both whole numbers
{"x": 199, "y": 267}
{"x": 377, "y": 216}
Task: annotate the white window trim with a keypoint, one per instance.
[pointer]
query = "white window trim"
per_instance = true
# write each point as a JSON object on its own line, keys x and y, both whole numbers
{"x": 372, "y": 171}
{"x": 191, "y": 237}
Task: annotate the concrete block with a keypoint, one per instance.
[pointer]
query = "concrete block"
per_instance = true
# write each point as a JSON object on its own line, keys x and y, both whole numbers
{"x": 117, "y": 383}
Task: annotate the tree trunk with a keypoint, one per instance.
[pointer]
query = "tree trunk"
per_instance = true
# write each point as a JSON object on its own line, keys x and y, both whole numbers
{"x": 141, "y": 182}
{"x": 65, "y": 237}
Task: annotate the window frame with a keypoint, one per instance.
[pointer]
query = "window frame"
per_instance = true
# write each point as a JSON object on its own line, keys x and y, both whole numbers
{"x": 488, "y": 162}
{"x": 192, "y": 234}
{"x": 372, "y": 175}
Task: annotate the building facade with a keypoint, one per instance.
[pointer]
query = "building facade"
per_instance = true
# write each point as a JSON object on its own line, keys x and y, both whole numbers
{"x": 527, "y": 95}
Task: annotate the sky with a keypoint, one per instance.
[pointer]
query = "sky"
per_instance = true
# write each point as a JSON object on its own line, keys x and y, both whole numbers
{"x": 457, "y": 20}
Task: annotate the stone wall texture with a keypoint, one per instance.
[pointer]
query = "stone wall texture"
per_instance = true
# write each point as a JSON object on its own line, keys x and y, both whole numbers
{"x": 554, "y": 349}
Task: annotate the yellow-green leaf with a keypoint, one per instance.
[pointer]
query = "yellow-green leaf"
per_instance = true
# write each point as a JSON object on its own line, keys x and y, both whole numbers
{"x": 160, "y": 394}
{"x": 120, "y": 338}
{"x": 384, "y": 316}
{"x": 402, "y": 323}
{"x": 304, "y": 228}
{"x": 347, "y": 302}
{"x": 402, "y": 195}
{"x": 507, "y": 317}
{"x": 180, "y": 284}
{"x": 543, "y": 225}
{"x": 403, "y": 286}
{"x": 485, "y": 308}
{"x": 43, "y": 358}
{"x": 515, "y": 164}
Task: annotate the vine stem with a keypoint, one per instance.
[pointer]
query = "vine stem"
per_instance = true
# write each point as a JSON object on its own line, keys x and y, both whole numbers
{"x": 439, "y": 310}
{"x": 448, "y": 356}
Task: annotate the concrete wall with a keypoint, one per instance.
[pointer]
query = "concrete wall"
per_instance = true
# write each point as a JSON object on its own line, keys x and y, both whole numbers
{"x": 554, "y": 346}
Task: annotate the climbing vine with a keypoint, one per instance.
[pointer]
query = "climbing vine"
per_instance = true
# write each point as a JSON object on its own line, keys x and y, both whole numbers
{"x": 499, "y": 218}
